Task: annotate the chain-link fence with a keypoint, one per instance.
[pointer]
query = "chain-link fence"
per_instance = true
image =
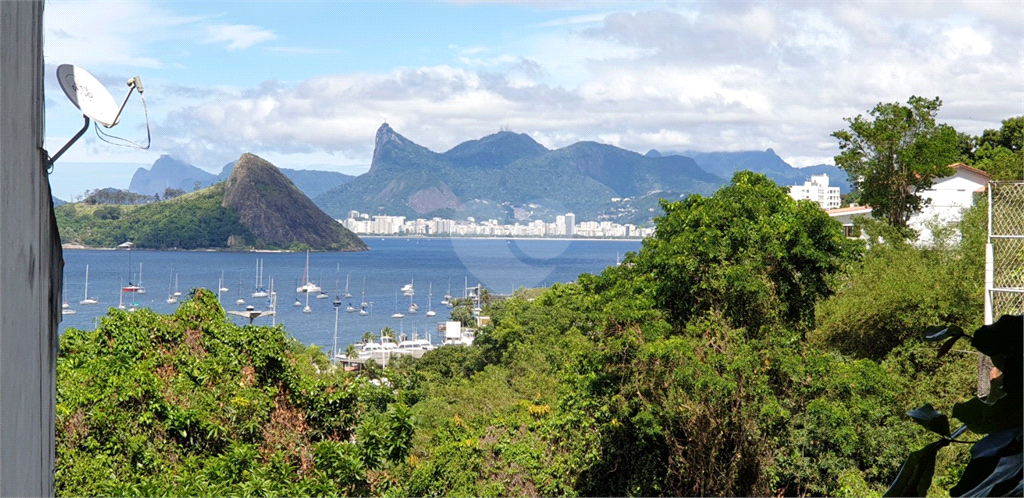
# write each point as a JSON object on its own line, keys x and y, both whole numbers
{"x": 1006, "y": 235}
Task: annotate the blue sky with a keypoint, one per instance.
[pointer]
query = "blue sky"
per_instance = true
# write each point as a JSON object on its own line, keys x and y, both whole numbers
{"x": 306, "y": 84}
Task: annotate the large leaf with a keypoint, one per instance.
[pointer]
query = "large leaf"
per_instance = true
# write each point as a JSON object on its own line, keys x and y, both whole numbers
{"x": 930, "y": 419}
{"x": 992, "y": 444}
{"x": 1001, "y": 340}
{"x": 915, "y": 477}
{"x": 990, "y": 476}
{"x": 938, "y": 333}
{"x": 982, "y": 418}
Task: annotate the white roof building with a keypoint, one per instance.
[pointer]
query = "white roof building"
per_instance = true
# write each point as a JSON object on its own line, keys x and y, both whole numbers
{"x": 945, "y": 202}
{"x": 817, "y": 190}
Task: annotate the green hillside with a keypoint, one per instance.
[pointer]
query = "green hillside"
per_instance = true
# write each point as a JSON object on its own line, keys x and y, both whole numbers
{"x": 258, "y": 207}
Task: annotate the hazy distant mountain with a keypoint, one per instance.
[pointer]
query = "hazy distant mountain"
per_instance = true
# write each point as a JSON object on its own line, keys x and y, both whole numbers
{"x": 505, "y": 172}
{"x": 57, "y": 202}
{"x": 767, "y": 162}
{"x": 168, "y": 172}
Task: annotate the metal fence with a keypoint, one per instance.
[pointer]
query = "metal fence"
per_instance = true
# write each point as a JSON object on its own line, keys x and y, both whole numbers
{"x": 1004, "y": 285}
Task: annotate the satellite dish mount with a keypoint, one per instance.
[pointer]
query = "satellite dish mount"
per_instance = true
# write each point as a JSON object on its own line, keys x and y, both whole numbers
{"x": 95, "y": 102}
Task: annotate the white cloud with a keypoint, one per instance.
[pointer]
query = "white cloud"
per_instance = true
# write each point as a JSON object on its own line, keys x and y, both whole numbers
{"x": 238, "y": 36}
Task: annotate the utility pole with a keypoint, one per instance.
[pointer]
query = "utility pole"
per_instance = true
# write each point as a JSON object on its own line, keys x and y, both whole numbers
{"x": 33, "y": 263}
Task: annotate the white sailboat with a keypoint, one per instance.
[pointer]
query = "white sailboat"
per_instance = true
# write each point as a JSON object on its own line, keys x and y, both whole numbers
{"x": 120, "y": 298}
{"x": 240, "y": 301}
{"x": 65, "y": 308}
{"x": 87, "y": 299}
{"x": 447, "y": 301}
{"x": 322, "y": 294}
{"x": 347, "y": 293}
{"x": 363, "y": 303}
{"x": 223, "y": 288}
{"x": 307, "y": 286}
{"x": 177, "y": 293}
{"x": 307, "y": 309}
{"x": 430, "y": 292}
{"x": 141, "y": 289}
{"x": 171, "y": 298}
{"x": 396, "y": 314}
{"x": 260, "y": 290}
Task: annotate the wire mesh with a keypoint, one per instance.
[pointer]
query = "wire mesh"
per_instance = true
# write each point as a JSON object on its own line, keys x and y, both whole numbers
{"x": 1006, "y": 234}
{"x": 1007, "y": 209}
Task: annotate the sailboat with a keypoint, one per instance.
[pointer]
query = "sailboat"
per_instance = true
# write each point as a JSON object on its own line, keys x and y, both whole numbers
{"x": 396, "y": 314}
{"x": 65, "y": 307}
{"x": 430, "y": 292}
{"x": 447, "y": 301}
{"x": 177, "y": 293}
{"x": 297, "y": 302}
{"x": 409, "y": 289}
{"x": 363, "y": 304}
{"x": 223, "y": 288}
{"x": 141, "y": 289}
{"x": 131, "y": 287}
{"x": 413, "y": 307}
{"x": 120, "y": 299}
{"x": 322, "y": 294}
{"x": 87, "y": 300}
{"x": 307, "y": 309}
{"x": 307, "y": 286}
{"x": 260, "y": 290}
{"x": 171, "y": 298}
{"x": 240, "y": 301}
{"x": 347, "y": 293}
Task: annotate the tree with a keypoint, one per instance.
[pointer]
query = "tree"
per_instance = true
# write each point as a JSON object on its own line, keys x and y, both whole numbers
{"x": 1001, "y": 152}
{"x": 749, "y": 252}
{"x": 896, "y": 154}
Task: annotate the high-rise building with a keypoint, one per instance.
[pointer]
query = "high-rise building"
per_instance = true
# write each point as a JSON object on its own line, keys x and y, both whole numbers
{"x": 570, "y": 224}
{"x": 817, "y": 190}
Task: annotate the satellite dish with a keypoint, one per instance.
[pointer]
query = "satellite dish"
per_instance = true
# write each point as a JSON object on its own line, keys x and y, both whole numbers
{"x": 88, "y": 94}
{"x": 95, "y": 102}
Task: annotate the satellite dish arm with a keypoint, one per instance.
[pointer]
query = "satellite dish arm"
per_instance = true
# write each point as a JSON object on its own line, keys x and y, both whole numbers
{"x": 133, "y": 84}
{"x": 73, "y": 139}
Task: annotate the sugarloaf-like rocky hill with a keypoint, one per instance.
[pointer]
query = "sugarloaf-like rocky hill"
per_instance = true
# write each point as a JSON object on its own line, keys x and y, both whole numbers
{"x": 279, "y": 214}
{"x": 256, "y": 207}
{"x": 506, "y": 174}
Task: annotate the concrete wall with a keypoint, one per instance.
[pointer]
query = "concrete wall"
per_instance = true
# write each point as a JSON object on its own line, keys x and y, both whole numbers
{"x": 31, "y": 262}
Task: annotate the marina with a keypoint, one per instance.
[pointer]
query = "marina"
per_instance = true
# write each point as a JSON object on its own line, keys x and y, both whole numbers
{"x": 396, "y": 275}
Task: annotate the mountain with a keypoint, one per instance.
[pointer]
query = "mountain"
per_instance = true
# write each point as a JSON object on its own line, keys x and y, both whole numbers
{"x": 277, "y": 212}
{"x": 311, "y": 182}
{"x": 168, "y": 172}
{"x": 497, "y": 175}
{"x": 257, "y": 207}
{"x": 767, "y": 162}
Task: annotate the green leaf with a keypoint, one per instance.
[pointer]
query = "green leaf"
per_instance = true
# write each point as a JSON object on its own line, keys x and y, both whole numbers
{"x": 929, "y": 418}
{"x": 915, "y": 477}
{"x": 938, "y": 333}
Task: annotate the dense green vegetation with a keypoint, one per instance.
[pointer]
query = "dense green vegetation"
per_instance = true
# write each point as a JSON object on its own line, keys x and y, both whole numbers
{"x": 192, "y": 405}
{"x": 193, "y": 221}
{"x": 746, "y": 349}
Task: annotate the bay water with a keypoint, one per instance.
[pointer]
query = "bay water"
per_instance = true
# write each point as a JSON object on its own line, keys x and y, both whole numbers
{"x": 440, "y": 265}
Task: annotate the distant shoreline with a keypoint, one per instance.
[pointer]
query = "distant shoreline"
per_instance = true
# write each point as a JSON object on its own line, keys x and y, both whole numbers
{"x": 499, "y": 237}
{"x": 367, "y": 238}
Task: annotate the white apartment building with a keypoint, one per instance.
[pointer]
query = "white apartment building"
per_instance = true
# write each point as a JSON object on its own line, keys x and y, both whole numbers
{"x": 817, "y": 190}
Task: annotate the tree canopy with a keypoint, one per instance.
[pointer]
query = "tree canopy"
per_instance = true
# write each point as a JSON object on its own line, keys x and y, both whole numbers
{"x": 896, "y": 153}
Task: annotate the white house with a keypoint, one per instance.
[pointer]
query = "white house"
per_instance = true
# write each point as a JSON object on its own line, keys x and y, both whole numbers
{"x": 817, "y": 190}
{"x": 945, "y": 202}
